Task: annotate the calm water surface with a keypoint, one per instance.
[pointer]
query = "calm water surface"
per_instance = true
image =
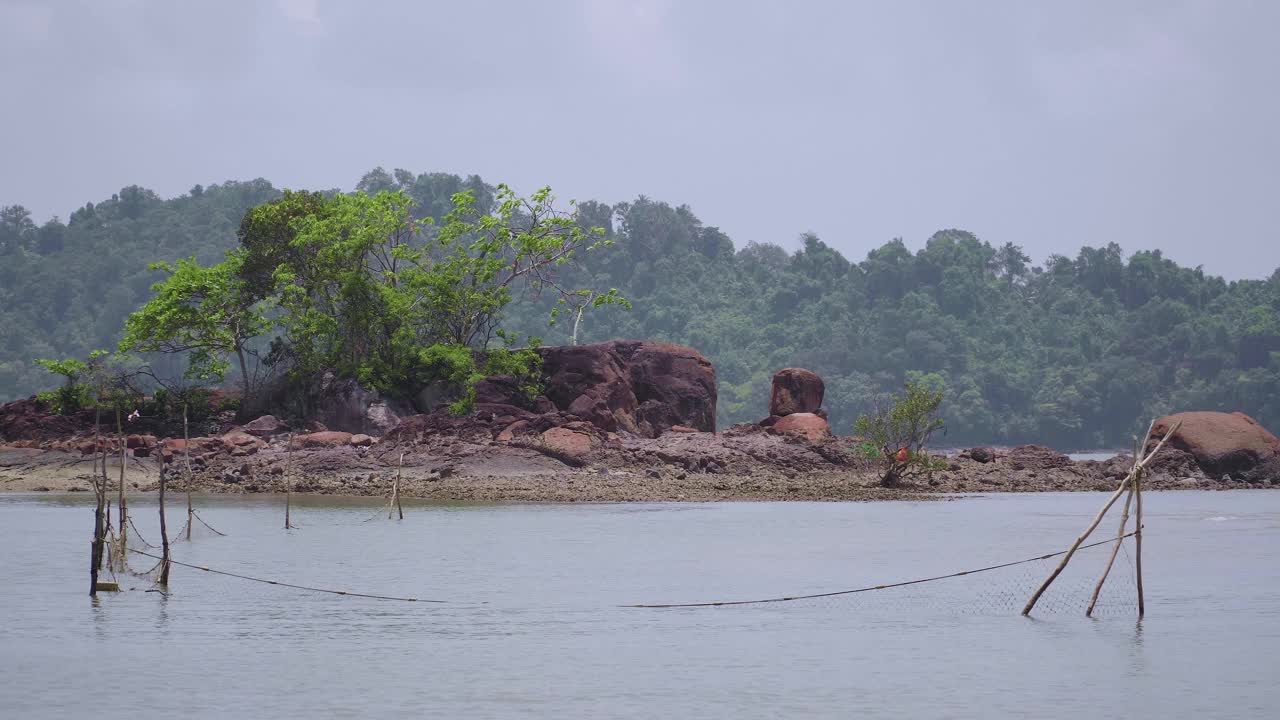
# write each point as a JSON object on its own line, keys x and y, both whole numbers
{"x": 533, "y": 628}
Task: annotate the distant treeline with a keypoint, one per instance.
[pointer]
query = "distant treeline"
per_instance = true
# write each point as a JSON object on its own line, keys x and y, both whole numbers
{"x": 1077, "y": 352}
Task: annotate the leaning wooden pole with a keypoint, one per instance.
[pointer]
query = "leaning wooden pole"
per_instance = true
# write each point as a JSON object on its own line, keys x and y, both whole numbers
{"x": 1075, "y": 546}
{"x": 1115, "y": 550}
{"x": 1138, "y": 468}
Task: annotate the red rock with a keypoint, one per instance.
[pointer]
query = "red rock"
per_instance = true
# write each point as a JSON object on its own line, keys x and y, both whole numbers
{"x": 361, "y": 440}
{"x": 313, "y": 425}
{"x": 682, "y": 429}
{"x": 326, "y": 438}
{"x": 641, "y": 387}
{"x": 1222, "y": 443}
{"x": 509, "y": 432}
{"x": 796, "y": 390}
{"x": 240, "y": 438}
{"x": 265, "y": 426}
{"x": 1037, "y": 457}
{"x": 806, "y": 425}
{"x": 570, "y": 442}
{"x": 136, "y": 441}
{"x": 32, "y": 420}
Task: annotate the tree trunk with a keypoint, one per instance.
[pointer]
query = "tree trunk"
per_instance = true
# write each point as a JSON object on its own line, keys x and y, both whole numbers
{"x": 244, "y": 379}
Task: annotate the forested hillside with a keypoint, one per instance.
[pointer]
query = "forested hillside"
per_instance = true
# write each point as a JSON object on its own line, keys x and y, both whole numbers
{"x": 1074, "y": 353}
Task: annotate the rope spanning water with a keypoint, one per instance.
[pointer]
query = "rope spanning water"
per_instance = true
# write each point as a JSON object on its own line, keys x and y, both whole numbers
{"x": 720, "y": 603}
{"x": 180, "y": 536}
{"x": 869, "y": 588}
{"x": 285, "y": 584}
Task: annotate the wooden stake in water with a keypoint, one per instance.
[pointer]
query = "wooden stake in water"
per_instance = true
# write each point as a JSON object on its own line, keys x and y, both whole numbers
{"x": 288, "y": 483}
{"x": 122, "y": 512}
{"x": 99, "y": 524}
{"x": 1115, "y": 550}
{"x": 164, "y": 532}
{"x": 1134, "y": 476}
{"x": 395, "y": 490}
{"x": 1062, "y": 564}
{"x": 1137, "y": 543}
{"x": 186, "y": 456}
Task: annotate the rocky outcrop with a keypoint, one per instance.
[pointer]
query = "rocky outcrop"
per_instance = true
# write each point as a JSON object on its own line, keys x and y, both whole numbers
{"x": 643, "y": 388}
{"x": 31, "y": 420}
{"x": 1221, "y": 443}
{"x": 347, "y": 406}
{"x": 796, "y": 390}
{"x": 1037, "y": 457}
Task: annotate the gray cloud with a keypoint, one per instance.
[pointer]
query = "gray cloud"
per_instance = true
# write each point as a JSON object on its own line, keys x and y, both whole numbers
{"x": 1146, "y": 124}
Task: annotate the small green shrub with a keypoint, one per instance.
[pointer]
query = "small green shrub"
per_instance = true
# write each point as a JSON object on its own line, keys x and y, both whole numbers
{"x": 896, "y": 432}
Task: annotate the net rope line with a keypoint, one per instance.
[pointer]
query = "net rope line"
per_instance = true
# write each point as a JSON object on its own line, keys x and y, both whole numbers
{"x": 869, "y": 588}
{"x": 720, "y": 603}
{"x": 279, "y": 583}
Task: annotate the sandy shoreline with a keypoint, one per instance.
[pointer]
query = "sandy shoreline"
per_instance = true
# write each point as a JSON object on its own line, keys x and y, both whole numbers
{"x": 693, "y": 468}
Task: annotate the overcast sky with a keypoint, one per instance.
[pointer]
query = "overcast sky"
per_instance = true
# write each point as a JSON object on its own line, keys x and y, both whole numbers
{"x": 1147, "y": 124}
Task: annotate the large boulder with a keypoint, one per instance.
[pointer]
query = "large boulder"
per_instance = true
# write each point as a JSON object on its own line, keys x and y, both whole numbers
{"x": 265, "y": 426}
{"x": 809, "y": 426}
{"x": 641, "y": 387}
{"x": 349, "y": 407}
{"x": 323, "y": 439}
{"x": 1221, "y": 443}
{"x": 574, "y": 443}
{"x": 796, "y": 390}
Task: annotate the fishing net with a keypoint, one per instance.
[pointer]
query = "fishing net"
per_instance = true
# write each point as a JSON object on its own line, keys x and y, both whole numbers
{"x": 194, "y": 527}
{"x": 994, "y": 590}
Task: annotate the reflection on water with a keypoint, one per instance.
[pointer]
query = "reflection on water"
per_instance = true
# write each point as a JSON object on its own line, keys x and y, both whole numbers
{"x": 534, "y": 628}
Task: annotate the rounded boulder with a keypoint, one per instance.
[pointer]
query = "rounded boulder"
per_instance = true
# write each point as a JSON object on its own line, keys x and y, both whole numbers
{"x": 796, "y": 390}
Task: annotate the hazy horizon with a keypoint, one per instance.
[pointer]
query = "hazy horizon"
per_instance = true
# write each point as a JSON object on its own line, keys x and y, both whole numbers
{"x": 1143, "y": 124}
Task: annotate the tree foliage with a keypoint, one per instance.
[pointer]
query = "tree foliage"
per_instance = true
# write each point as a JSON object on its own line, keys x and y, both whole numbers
{"x": 897, "y": 431}
{"x": 1077, "y": 351}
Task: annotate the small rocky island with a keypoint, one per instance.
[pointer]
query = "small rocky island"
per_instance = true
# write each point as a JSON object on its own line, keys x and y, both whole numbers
{"x": 615, "y": 421}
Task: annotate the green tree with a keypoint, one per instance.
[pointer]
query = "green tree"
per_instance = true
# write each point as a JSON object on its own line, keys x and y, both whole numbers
{"x": 209, "y": 313}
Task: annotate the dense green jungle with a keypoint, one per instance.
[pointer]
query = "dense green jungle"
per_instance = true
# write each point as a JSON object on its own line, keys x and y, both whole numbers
{"x": 1076, "y": 352}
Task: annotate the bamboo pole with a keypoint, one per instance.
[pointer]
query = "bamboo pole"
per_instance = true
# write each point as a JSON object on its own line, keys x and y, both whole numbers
{"x": 1139, "y": 466}
{"x": 395, "y": 490}
{"x": 123, "y": 512}
{"x": 186, "y": 450}
{"x": 1137, "y": 542}
{"x": 1074, "y": 546}
{"x": 164, "y": 532}
{"x": 288, "y": 483}
{"x": 1115, "y": 550}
